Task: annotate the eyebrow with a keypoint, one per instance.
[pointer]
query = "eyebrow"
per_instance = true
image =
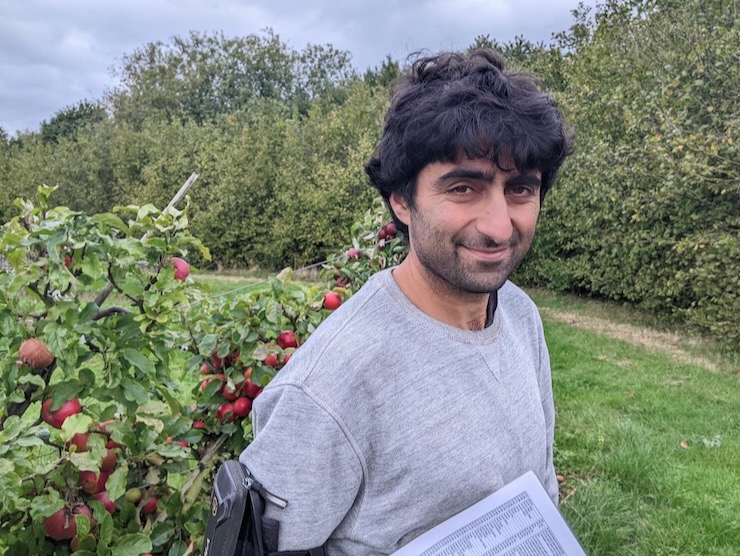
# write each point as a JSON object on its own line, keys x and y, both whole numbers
{"x": 465, "y": 173}
{"x": 525, "y": 179}
{"x": 488, "y": 177}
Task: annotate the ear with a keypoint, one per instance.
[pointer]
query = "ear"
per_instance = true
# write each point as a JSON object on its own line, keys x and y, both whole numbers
{"x": 400, "y": 208}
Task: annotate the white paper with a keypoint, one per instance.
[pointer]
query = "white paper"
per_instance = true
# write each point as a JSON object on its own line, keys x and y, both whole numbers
{"x": 517, "y": 520}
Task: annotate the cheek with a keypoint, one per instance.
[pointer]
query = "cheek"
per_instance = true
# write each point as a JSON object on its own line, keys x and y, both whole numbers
{"x": 525, "y": 219}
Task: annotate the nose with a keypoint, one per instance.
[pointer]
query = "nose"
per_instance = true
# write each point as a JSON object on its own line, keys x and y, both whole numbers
{"x": 494, "y": 219}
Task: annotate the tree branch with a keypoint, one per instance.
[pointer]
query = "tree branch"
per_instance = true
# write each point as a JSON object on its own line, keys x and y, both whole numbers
{"x": 110, "y": 311}
{"x": 103, "y": 295}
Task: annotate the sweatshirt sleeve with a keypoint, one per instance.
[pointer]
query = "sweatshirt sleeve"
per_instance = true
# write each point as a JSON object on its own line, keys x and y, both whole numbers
{"x": 301, "y": 454}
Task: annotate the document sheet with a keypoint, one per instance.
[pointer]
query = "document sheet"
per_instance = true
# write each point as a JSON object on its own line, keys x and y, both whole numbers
{"x": 517, "y": 520}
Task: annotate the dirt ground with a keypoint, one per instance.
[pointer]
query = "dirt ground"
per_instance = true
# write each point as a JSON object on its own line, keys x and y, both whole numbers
{"x": 652, "y": 340}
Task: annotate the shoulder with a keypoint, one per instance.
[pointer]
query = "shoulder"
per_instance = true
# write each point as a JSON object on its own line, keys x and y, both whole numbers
{"x": 519, "y": 314}
{"x": 343, "y": 343}
{"x": 513, "y": 301}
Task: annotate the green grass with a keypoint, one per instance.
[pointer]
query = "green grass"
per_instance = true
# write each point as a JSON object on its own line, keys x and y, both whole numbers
{"x": 650, "y": 449}
{"x": 223, "y": 284}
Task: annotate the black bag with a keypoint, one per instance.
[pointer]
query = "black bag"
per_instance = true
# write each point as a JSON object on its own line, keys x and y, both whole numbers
{"x": 236, "y": 526}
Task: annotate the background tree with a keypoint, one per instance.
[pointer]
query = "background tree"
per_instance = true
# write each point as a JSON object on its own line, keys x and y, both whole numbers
{"x": 648, "y": 210}
{"x": 206, "y": 75}
{"x": 68, "y": 121}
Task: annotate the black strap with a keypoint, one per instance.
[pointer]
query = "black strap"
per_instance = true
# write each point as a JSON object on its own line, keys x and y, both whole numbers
{"x": 237, "y": 525}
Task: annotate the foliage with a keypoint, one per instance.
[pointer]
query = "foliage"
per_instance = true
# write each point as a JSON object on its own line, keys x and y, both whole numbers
{"x": 383, "y": 75}
{"x": 68, "y": 121}
{"x": 368, "y": 254}
{"x": 647, "y": 211}
{"x": 206, "y": 75}
{"x": 155, "y": 367}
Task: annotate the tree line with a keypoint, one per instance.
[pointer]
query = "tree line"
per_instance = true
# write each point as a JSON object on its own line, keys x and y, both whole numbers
{"x": 647, "y": 211}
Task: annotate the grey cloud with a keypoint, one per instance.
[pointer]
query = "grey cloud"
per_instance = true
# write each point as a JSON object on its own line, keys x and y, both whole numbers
{"x": 54, "y": 54}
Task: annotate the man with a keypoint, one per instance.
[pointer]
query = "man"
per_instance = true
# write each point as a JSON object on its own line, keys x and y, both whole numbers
{"x": 430, "y": 388}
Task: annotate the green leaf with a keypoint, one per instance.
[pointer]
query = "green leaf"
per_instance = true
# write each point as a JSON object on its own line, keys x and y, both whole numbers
{"x": 110, "y": 220}
{"x": 85, "y": 461}
{"x": 64, "y": 392}
{"x": 134, "y": 392}
{"x": 105, "y": 529}
{"x": 178, "y": 548}
{"x": 207, "y": 344}
{"x": 83, "y": 525}
{"x": 32, "y": 379}
{"x": 26, "y": 441}
{"x": 89, "y": 310}
{"x": 131, "y": 545}
{"x": 45, "y": 505}
{"x": 116, "y": 484}
{"x": 138, "y": 360}
{"x": 75, "y": 424}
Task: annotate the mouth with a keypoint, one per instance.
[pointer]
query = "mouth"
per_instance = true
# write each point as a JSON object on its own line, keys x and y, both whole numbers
{"x": 487, "y": 255}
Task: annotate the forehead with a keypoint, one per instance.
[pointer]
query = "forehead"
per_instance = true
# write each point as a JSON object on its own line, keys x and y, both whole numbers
{"x": 487, "y": 169}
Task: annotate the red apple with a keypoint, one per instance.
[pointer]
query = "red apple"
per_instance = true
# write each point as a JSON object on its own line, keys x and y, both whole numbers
{"x": 61, "y": 524}
{"x": 332, "y": 300}
{"x": 242, "y": 406}
{"x": 287, "y": 340}
{"x": 88, "y": 481}
{"x": 286, "y": 358}
{"x": 250, "y": 389}
{"x": 56, "y": 418}
{"x": 68, "y": 261}
{"x": 102, "y": 479}
{"x": 199, "y": 424}
{"x": 231, "y": 358}
{"x": 217, "y": 361}
{"x": 103, "y": 497}
{"x": 205, "y": 382}
{"x": 272, "y": 360}
{"x": 390, "y": 229}
{"x": 225, "y": 413}
{"x": 205, "y": 369}
{"x": 150, "y": 506}
{"x": 35, "y": 354}
{"x": 80, "y": 441}
{"x": 353, "y": 253}
{"x": 229, "y": 392}
{"x": 113, "y": 444}
{"x": 182, "y": 268}
{"x": 91, "y": 482}
{"x": 109, "y": 461}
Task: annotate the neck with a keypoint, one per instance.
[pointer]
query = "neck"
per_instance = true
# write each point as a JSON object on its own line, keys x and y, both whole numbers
{"x": 440, "y": 299}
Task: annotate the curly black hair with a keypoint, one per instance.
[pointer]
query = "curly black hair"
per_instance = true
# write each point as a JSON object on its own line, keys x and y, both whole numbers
{"x": 453, "y": 106}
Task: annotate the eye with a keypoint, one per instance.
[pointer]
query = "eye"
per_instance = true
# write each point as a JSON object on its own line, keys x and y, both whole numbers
{"x": 521, "y": 190}
{"x": 461, "y": 189}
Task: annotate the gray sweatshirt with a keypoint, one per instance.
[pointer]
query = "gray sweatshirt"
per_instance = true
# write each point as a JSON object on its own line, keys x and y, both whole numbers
{"x": 387, "y": 422}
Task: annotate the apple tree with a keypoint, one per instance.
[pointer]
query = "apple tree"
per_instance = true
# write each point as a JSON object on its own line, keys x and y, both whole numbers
{"x": 376, "y": 245}
{"x": 125, "y": 383}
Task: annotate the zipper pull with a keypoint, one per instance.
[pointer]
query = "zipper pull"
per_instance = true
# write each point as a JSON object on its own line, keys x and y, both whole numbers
{"x": 251, "y": 484}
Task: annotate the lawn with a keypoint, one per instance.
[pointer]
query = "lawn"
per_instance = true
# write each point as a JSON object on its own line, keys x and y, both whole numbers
{"x": 648, "y": 445}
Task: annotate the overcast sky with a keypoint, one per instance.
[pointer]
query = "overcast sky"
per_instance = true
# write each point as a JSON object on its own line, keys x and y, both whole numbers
{"x": 54, "y": 53}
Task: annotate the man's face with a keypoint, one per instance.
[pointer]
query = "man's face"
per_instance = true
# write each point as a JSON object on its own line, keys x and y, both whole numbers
{"x": 472, "y": 222}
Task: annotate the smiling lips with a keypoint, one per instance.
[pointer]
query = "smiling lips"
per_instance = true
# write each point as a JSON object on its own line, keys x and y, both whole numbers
{"x": 489, "y": 255}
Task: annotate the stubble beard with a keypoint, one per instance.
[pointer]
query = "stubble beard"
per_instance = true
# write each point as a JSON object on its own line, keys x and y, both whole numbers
{"x": 443, "y": 263}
